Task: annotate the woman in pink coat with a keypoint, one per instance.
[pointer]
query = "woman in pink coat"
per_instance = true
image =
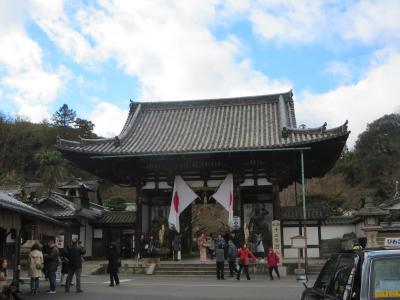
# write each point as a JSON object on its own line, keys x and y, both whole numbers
{"x": 273, "y": 261}
{"x": 244, "y": 261}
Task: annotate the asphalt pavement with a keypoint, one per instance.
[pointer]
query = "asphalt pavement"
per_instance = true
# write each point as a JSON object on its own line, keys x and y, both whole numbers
{"x": 176, "y": 288}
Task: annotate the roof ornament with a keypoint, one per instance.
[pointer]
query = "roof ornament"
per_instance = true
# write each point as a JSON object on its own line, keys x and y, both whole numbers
{"x": 131, "y": 105}
{"x": 117, "y": 141}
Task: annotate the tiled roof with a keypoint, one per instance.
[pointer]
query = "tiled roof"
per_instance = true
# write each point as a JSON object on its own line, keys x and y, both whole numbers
{"x": 9, "y": 203}
{"x": 60, "y": 201}
{"x": 66, "y": 208}
{"x": 296, "y": 213}
{"x": 341, "y": 220}
{"x": 219, "y": 125}
{"x": 117, "y": 217}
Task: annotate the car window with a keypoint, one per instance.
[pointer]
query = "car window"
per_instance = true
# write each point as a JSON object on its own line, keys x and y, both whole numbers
{"x": 326, "y": 274}
{"x": 386, "y": 278}
{"x": 343, "y": 277}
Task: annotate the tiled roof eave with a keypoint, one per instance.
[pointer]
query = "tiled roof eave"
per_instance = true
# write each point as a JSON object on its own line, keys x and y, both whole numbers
{"x": 216, "y": 151}
{"x": 31, "y": 214}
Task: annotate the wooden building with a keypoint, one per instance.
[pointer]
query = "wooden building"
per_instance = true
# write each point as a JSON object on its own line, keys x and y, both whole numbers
{"x": 255, "y": 138}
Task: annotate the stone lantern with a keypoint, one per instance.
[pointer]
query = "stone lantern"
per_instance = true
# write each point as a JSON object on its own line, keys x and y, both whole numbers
{"x": 370, "y": 215}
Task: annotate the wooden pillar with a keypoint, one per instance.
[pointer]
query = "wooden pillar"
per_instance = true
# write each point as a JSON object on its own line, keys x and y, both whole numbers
{"x": 276, "y": 201}
{"x": 17, "y": 264}
{"x": 139, "y": 199}
{"x": 190, "y": 227}
{"x": 238, "y": 205}
{"x": 3, "y": 237}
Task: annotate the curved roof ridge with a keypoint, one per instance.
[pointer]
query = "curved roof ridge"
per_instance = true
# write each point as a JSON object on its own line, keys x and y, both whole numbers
{"x": 199, "y": 103}
{"x": 239, "y": 98}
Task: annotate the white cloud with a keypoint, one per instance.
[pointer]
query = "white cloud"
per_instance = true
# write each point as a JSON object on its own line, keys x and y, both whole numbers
{"x": 370, "y": 98}
{"x": 288, "y": 21}
{"x": 370, "y": 21}
{"x": 342, "y": 72}
{"x": 306, "y": 22}
{"x": 108, "y": 119}
{"x": 166, "y": 45}
{"x": 26, "y": 81}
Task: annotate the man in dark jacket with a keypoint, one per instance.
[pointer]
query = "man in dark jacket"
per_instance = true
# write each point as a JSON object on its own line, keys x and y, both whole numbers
{"x": 220, "y": 262}
{"x": 231, "y": 255}
{"x": 113, "y": 264}
{"x": 74, "y": 255}
{"x": 52, "y": 261}
{"x": 141, "y": 247}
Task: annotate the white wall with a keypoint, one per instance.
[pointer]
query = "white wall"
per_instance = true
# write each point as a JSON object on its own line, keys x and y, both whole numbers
{"x": 336, "y": 231}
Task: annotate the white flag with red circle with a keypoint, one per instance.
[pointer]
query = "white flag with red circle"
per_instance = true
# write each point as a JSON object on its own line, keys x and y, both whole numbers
{"x": 182, "y": 196}
{"x": 224, "y": 195}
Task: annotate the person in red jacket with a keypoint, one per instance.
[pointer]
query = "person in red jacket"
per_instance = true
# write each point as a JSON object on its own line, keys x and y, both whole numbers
{"x": 243, "y": 254}
{"x": 273, "y": 261}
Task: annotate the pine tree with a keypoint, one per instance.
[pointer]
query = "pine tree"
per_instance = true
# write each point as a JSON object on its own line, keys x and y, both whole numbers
{"x": 64, "y": 117}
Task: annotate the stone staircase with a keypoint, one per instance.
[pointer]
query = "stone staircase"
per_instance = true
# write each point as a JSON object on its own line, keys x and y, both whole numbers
{"x": 187, "y": 269}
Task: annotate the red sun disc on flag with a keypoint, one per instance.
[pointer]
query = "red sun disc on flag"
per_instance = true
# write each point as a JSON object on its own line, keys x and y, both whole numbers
{"x": 176, "y": 202}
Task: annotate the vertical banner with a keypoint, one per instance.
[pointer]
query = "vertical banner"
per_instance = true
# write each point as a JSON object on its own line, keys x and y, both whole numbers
{"x": 277, "y": 239}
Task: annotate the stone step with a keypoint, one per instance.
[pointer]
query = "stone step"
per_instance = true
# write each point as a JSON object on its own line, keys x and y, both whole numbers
{"x": 185, "y": 272}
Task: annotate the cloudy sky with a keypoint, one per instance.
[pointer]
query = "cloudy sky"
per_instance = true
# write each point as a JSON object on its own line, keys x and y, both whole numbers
{"x": 341, "y": 58}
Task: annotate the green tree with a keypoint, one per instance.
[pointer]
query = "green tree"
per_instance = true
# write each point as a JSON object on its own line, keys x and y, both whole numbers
{"x": 85, "y": 127}
{"x": 64, "y": 117}
{"x": 115, "y": 203}
{"x": 375, "y": 162}
{"x": 51, "y": 167}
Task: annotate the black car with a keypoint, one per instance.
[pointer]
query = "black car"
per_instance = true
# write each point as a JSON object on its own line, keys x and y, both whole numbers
{"x": 358, "y": 275}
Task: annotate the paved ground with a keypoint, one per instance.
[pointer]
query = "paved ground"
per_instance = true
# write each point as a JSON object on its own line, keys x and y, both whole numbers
{"x": 176, "y": 288}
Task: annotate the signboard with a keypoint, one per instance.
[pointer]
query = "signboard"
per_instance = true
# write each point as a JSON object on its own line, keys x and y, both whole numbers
{"x": 392, "y": 242}
{"x": 298, "y": 241}
{"x": 60, "y": 241}
{"x": 277, "y": 238}
{"x": 235, "y": 224}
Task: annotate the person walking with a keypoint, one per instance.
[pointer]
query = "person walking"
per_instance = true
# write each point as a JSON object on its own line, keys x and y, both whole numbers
{"x": 113, "y": 264}
{"x": 231, "y": 255}
{"x": 244, "y": 261}
{"x": 220, "y": 242}
{"x": 260, "y": 251}
{"x": 273, "y": 261}
{"x": 52, "y": 261}
{"x": 35, "y": 260}
{"x": 151, "y": 247}
{"x": 176, "y": 247}
{"x": 211, "y": 246}
{"x": 141, "y": 246}
{"x": 202, "y": 244}
{"x": 220, "y": 261}
{"x": 74, "y": 255}
{"x": 64, "y": 266}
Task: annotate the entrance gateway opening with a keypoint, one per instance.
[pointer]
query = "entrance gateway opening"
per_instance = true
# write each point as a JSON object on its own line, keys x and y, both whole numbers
{"x": 203, "y": 141}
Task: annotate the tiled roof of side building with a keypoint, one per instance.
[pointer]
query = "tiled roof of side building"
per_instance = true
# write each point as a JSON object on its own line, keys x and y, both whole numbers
{"x": 8, "y": 202}
{"x": 117, "y": 217}
{"x": 219, "y": 125}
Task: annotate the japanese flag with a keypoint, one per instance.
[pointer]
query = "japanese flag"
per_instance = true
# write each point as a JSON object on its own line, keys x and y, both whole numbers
{"x": 224, "y": 195}
{"x": 182, "y": 196}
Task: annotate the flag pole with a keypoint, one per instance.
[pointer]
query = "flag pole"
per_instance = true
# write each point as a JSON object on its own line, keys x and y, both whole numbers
{"x": 303, "y": 194}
